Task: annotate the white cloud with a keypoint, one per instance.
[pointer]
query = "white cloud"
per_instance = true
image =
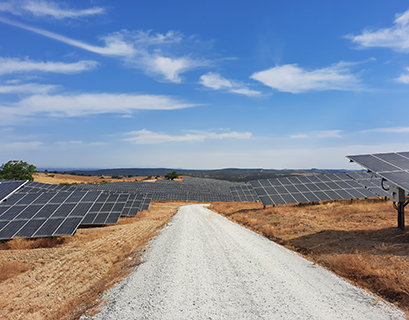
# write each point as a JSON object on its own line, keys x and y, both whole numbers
{"x": 245, "y": 91}
{"x": 403, "y": 78}
{"x": 217, "y": 82}
{"x": 29, "y": 88}
{"x": 300, "y": 136}
{"x": 291, "y": 78}
{"x": 86, "y": 104}
{"x": 14, "y": 65}
{"x": 81, "y": 144}
{"x": 41, "y": 8}
{"x": 20, "y": 146}
{"x": 114, "y": 46}
{"x": 390, "y": 130}
{"x": 319, "y": 134}
{"x": 13, "y": 81}
{"x": 395, "y": 37}
{"x": 138, "y": 49}
{"x": 148, "y": 137}
{"x": 171, "y": 68}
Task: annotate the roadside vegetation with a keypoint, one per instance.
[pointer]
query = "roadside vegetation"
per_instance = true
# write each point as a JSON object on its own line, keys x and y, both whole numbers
{"x": 357, "y": 240}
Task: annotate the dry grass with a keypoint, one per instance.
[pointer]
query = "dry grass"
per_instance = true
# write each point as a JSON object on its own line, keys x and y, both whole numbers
{"x": 62, "y": 278}
{"x": 357, "y": 240}
{"x": 21, "y": 244}
{"x": 68, "y": 179}
{"x": 11, "y": 269}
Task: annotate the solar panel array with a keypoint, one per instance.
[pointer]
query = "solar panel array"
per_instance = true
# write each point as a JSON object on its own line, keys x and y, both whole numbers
{"x": 191, "y": 189}
{"x": 34, "y": 209}
{"x": 394, "y": 166}
{"x": 244, "y": 192}
{"x": 301, "y": 189}
{"x": 37, "y": 209}
{"x": 30, "y": 215}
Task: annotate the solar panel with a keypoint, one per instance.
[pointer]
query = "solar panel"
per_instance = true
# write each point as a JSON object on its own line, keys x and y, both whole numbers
{"x": 191, "y": 189}
{"x": 106, "y": 209}
{"x": 370, "y": 181}
{"x": 393, "y": 167}
{"x": 110, "y": 205}
{"x": 301, "y": 189}
{"x": 32, "y": 215}
{"x": 244, "y": 192}
{"x": 8, "y": 187}
{"x": 135, "y": 203}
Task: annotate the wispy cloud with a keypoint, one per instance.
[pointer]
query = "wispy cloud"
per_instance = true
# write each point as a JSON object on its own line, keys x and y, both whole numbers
{"x": 319, "y": 134}
{"x": 29, "y": 88}
{"x": 114, "y": 46}
{"x": 81, "y": 143}
{"x": 388, "y": 130}
{"x": 87, "y": 104}
{"x": 292, "y": 78}
{"x": 217, "y": 82}
{"x": 15, "y": 65}
{"x": 20, "y": 146}
{"x": 149, "y": 52}
{"x": 148, "y": 137}
{"x": 41, "y": 8}
{"x": 395, "y": 37}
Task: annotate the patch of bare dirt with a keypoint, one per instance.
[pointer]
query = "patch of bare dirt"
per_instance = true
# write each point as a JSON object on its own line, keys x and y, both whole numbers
{"x": 357, "y": 239}
{"x": 60, "y": 279}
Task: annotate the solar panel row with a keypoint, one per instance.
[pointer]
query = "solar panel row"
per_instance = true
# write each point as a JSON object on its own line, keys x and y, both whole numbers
{"x": 192, "y": 189}
{"x": 301, "y": 189}
{"x": 393, "y": 167}
{"x": 44, "y": 214}
{"x": 244, "y": 192}
{"x": 42, "y": 210}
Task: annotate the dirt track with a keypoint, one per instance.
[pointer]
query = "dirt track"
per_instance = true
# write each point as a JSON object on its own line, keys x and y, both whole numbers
{"x": 205, "y": 267}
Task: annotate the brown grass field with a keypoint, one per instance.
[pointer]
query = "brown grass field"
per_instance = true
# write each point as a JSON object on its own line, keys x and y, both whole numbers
{"x": 357, "y": 240}
{"x": 60, "y": 278}
{"x": 58, "y": 178}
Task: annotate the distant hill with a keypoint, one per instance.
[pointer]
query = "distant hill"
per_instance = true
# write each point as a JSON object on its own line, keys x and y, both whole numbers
{"x": 230, "y": 174}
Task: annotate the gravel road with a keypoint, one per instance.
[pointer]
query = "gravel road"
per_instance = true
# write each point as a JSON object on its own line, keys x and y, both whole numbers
{"x": 203, "y": 266}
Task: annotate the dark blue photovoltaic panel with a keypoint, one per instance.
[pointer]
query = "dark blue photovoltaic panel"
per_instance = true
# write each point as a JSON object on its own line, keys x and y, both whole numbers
{"x": 300, "y": 189}
{"x": 244, "y": 192}
{"x": 393, "y": 166}
{"x": 7, "y": 187}
{"x": 46, "y": 214}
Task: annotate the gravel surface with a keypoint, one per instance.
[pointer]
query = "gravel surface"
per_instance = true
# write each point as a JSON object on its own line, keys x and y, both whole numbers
{"x": 203, "y": 266}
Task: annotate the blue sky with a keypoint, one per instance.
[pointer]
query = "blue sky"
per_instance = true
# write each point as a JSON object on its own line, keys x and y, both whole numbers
{"x": 202, "y": 85}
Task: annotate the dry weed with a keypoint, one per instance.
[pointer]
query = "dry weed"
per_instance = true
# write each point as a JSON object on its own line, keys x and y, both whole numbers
{"x": 11, "y": 269}
{"x": 21, "y": 244}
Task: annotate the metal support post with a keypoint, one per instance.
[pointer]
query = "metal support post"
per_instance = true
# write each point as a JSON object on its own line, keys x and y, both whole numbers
{"x": 401, "y": 216}
{"x": 400, "y": 206}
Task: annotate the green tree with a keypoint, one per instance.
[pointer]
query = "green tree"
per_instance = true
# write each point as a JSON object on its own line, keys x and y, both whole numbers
{"x": 172, "y": 175}
{"x": 17, "y": 170}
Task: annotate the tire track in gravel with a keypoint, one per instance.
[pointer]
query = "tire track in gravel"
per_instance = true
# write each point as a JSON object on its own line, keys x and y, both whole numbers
{"x": 203, "y": 266}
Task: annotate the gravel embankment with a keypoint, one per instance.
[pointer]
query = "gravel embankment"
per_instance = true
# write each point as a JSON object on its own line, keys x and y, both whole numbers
{"x": 203, "y": 266}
